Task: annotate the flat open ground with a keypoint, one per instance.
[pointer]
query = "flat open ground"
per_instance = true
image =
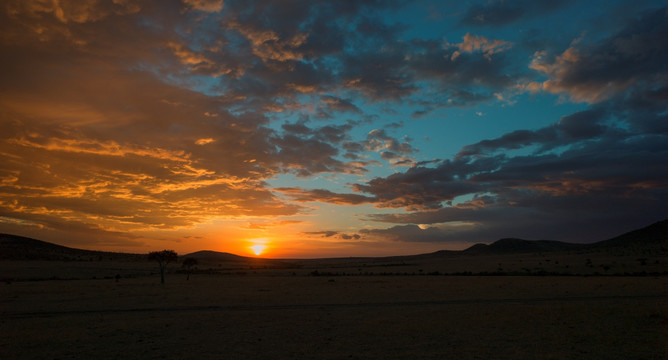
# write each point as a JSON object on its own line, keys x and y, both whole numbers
{"x": 258, "y": 316}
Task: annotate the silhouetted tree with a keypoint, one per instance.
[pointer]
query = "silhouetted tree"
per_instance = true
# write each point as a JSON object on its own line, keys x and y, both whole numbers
{"x": 163, "y": 258}
{"x": 188, "y": 263}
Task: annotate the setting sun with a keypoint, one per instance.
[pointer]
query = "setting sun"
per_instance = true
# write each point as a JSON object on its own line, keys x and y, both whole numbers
{"x": 258, "y": 249}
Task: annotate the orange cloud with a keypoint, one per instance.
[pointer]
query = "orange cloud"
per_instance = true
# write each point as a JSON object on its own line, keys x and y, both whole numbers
{"x": 472, "y": 43}
{"x": 267, "y": 45}
{"x": 205, "y": 5}
{"x": 78, "y": 11}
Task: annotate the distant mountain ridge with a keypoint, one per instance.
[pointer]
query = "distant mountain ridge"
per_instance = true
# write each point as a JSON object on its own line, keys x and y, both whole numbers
{"x": 655, "y": 234}
{"x": 13, "y": 247}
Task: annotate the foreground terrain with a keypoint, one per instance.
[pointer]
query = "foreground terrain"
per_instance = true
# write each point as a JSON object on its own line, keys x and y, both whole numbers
{"x": 357, "y": 317}
{"x": 512, "y": 299}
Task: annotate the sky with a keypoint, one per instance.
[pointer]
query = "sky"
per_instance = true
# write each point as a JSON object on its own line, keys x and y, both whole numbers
{"x": 308, "y": 128}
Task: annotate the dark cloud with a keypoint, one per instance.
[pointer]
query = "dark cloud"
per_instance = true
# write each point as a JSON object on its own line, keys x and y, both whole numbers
{"x": 611, "y": 180}
{"x": 596, "y": 171}
{"x": 531, "y": 215}
{"x": 575, "y": 127}
{"x": 377, "y": 75}
{"x": 408, "y": 233}
{"x": 475, "y": 61}
{"x": 426, "y": 188}
{"x": 350, "y": 237}
{"x": 331, "y": 104}
{"x": 322, "y": 233}
{"x": 377, "y": 140}
{"x": 306, "y": 151}
{"x": 322, "y": 195}
{"x": 335, "y": 233}
{"x": 582, "y": 125}
{"x": 297, "y": 128}
{"x": 306, "y": 156}
{"x": 505, "y": 12}
{"x": 630, "y": 58}
{"x": 334, "y": 133}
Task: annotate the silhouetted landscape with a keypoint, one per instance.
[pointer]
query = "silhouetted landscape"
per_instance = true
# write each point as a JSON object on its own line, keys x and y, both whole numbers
{"x": 505, "y": 300}
{"x": 640, "y": 252}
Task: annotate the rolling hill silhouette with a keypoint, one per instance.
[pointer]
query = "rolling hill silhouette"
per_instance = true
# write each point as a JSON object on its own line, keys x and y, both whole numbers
{"x": 513, "y": 246}
{"x": 210, "y": 255}
{"x": 652, "y": 237}
{"x": 14, "y": 247}
{"x": 655, "y": 235}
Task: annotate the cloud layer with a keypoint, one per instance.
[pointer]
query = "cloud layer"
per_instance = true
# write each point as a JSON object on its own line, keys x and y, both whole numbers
{"x": 126, "y": 117}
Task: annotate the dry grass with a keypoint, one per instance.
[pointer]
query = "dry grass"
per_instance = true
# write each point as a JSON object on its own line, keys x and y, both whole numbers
{"x": 272, "y": 315}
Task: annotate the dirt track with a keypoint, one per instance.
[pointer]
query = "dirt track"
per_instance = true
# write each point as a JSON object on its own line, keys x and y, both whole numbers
{"x": 400, "y": 304}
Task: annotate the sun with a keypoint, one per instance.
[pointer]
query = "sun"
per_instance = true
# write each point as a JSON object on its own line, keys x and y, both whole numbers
{"x": 258, "y": 249}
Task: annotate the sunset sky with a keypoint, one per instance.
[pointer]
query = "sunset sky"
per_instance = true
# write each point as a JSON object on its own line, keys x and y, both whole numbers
{"x": 331, "y": 128}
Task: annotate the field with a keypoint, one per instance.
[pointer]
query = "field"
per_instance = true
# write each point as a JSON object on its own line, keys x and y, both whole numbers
{"x": 510, "y": 300}
{"x": 272, "y": 314}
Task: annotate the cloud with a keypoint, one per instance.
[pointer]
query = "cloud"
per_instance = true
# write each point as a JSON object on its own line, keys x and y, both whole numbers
{"x": 201, "y": 62}
{"x": 634, "y": 56}
{"x": 271, "y": 224}
{"x": 461, "y": 74}
{"x": 506, "y": 12}
{"x": 594, "y": 173}
{"x": 72, "y": 11}
{"x": 305, "y": 156}
{"x": 123, "y": 187}
{"x": 330, "y": 234}
{"x": 472, "y": 43}
{"x": 205, "y": 5}
{"x": 596, "y": 180}
{"x": 268, "y": 46}
{"x": 124, "y": 152}
{"x": 204, "y": 141}
{"x": 578, "y": 126}
{"x": 378, "y": 76}
{"x": 323, "y": 233}
{"x": 407, "y": 233}
{"x": 378, "y": 140}
{"x": 331, "y": 104}
{"x": 425, "y": 188}
{"x": 322, "y": 195}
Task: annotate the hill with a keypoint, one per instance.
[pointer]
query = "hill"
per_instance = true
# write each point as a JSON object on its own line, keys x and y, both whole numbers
{"x": 213, "y": 256}
{"x": 653, "y": 238}
{"x": 518, "y": 246}
{"x": 13, "y": 247}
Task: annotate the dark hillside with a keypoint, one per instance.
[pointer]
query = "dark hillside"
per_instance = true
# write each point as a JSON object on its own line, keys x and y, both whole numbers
{"x": 518, "y": 246}
{"x": 213, "y": 256}
{"x": 652, "y": 235}
{"x": 13, "y": 247}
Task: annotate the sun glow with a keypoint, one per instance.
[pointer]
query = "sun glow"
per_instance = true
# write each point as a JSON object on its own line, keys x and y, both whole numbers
{"x": 258, "y": 248}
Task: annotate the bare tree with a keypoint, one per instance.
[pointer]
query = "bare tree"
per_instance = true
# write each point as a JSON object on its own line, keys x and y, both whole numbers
{"x": 163, "y": 258}
{"x": 188, "y": 263}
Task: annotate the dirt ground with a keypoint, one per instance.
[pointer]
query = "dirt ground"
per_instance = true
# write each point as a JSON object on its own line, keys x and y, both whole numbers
{"x": 344, "y": 317}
